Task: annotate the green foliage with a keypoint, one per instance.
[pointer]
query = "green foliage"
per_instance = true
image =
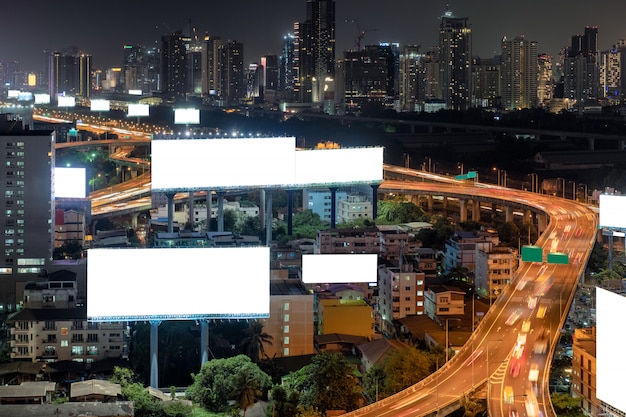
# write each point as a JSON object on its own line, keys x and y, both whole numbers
{"x": 308, "y": 411}
{"x": 470, "y": 226}
{"x": 395, "y": 212}
{"x": 437, "y": 236}
{"x": 216, "y": 383}
{"x": 246, "y": 389}
{"x": 256, "y": 339}
{"x": 473, "y": 406}
{"x": 282, "y": 404}
{"x": 509, "y": 234}
{"x": 306, "y": 224}
{"x": 328, "y": 383}
{"x": 70, "y": 249}
{"x": 403, "y": 368}
{"x": 566, "y": 405}
{"x": 598, "y": 258}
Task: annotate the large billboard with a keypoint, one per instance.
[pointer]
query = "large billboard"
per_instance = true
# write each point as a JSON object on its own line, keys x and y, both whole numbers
{"x": 138, "y": 110}
{"x": 214, "y": 164}
{"x": 100, "y": 105}
{"x": 177, "y": 283}
{"x": 339, "y": 268}
{"x": 610, "y": 341}
{"x": 612, "y": 208}
{"x": 186, "y": 116}
{"x": 70, "y": 182}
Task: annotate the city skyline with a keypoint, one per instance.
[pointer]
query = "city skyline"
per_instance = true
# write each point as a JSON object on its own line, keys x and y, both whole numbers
{"x": 55, "y": 26}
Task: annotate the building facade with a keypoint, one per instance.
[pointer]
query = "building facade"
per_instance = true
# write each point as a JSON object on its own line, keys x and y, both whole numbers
{"x": 401, "y": 293}
{"x": 519, "y": 73}
{"x": 455, "y": 61}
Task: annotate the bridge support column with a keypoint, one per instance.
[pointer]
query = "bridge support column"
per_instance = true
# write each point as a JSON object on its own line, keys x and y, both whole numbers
{"x": 527, "y": 216}
{"x": 154, "y": 353}
{"x": 220, "y": 211}
{"x": 462, "y": 210}
{"x": 444, "y": 201}
{"x": 412, "y": 128}
{"x": 262, "y": 208}
{"x": 170, "y": 212}
{"x": 429, "y": 200}
{"x": 190, "y": 203}
{"x": 592, "y": 143}
{"x": 133, "y": 220}
{"x": 621, "y": 145}
{"x": 289, "y": 212}
{"x": 333, "y": 206}
{"x": 542, "y": 222}
{"x": 494, "y": 210}
{"x": 268, "y": 217}
{"x": 204, "y": 341}
{"x": 508, "y": 214}
{"x": 476, "y": 210}
{"x": 209, "y": 208}
{"x": 375, "y": 201}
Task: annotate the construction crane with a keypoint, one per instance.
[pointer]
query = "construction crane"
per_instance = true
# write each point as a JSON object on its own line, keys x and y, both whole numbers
{"x": 360, "y": 33}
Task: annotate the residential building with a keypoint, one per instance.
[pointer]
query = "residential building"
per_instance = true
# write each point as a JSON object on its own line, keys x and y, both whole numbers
{"x": 361, "y": 240}
{"x": 401, "y": 293}
{"x": 545, "y": 82}
{"x": 495, "y": 268}
{"x": 319, "y": 201}
{"x": 287, "y": 70}
{"x": 140, "y": 69}
{"x": 27, "y": 204}
{"x": 174, "y": 68}
{"x": 291, "y": 320}
{"x": 581, "y": 67}
{"x": 584, "y": 370}
{"x": 443, "y": 300}
{"x": 344, "y": 316}
{"x": 427, "y": 260}
{"x": 411, "y": 67}
{"x": 461, "y": 249}
{"x": 396, "y": 244}
{"x": 486, "y": 83}
{"x": 519, "y": 73}
{"x": 69, "y": 226}
{"x": 610, "y": 71}
{"x": 354, "y": 207}
{"x": 455, "y": 61}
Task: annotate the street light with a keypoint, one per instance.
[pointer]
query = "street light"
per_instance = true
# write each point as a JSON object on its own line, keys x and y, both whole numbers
{"x": 460, "y": 166}
{"x": 447, "y": 343}
{"x": 499, "y": 174}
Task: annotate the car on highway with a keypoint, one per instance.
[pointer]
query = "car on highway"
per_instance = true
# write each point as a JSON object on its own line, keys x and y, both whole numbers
{"x": 525, "y": 326}
{"x": 532, "y": 302}
{"x": 509, "y": 395}
{"x": 541, "y": 312}
{"x": 518, "y": 351}
{"x": 533, "y": 374}
{"x": 513, "y": 318}
{"x": 515, "y": 368}
{"x": 521, "y": 338}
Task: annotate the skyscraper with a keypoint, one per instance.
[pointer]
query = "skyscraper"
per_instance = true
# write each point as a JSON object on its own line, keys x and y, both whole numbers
{"x": 581, "y": 67}
{"x": 174, "y": 65}
{"x": 287, "y": 68}
{"x": 411, "y": 61}
{"x": 315, "y": 48}
{"x": 455, "y": 61}
{"x": 70, "y": 74}
{"x": 519, "y": 73}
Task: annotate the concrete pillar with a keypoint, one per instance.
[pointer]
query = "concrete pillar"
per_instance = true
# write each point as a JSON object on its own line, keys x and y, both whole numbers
{"x": 429, "y": 200}
{"x": 262, "y": 207}
{"x": 374, "y": 201}
{"x": 508, "y": 214}
{"x": 528, "y": 216}
{"x": 268, "y": 217}
{"x": 133, "y": 220}
{"x": 191, "y": 209}
{"x": 412, "y": 128}
{"x": 170, "y": 212}
{"x": 476, "y": 210}
{"x": 220, "y": 211}
{"x": 204, "y": 341}
{"x": 592, "y": 143}
{"x": 209, "y": 208}
{"x": 462, "y": 210}
{"x": 542, "y": 222}
{"x": 154, "y": 353}
{"x": 444, "y": 201}
{"x": 289, "y": 212}
{"x": 333, "y": 207}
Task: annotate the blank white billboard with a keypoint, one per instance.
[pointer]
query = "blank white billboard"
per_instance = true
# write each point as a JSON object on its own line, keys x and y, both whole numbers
{"x": 330, "y": 166}
{"x": 182, "y": 164}
{"x": 138, "y": 110}
{"x": 612, "y": 209}
{"x": 66, "y": 101}
{"x": 186, "y": 116}
{"x": 213, "y": 164}
{"x": 135, "y": 92}
{"x": 69, "y": 182}
{"x": 100, "y": 105}
{"x": 25, "y": 96}
{"x": 177, "y": 283}
{"x": 610, "y": 342}
{"x": 339, "y": 268}
{"x": 13, "y": 93}
{"x": 42, "y": 98}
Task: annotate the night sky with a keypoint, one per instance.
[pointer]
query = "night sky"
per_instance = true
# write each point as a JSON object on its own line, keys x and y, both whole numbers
{"x": 102, "y": 28}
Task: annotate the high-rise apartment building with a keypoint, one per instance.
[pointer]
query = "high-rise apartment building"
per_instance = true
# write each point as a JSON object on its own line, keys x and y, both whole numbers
{"x": 315, "y": 49}
{"x": 140, "y": 68}
{"x": 69, "y": 74}
{"x": 27, "y": 204}
{"x": 519, "y": 73}
{"x": 411, "y": 62}
{"x": 174, "y": 65}
{"x": 486, "y": 82}
{"x": 545, "y": 81}
{"x": 367, "y": 77}
{"x": 455, "y": 61}
{"x": 610, "y": 71}
{"x": 581, "y": 67}
{"x": 287, "y": 71}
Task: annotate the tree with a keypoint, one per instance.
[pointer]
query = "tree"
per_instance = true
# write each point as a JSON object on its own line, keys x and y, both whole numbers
{"x": 509, "y": 233}
{"x": 472, "y": 406}
{"x": 246, "y": 389}
{"x": 215, "y": 384}
{"x": 403, "y": 368}
{"x": 282, "y": 404}
{"x": 255, "y": 341}
{"x": 70, "y": 249}
{"x": 328, "y": 383}
{"x": 394, "y": 212}
{"x": 565, "y": 404}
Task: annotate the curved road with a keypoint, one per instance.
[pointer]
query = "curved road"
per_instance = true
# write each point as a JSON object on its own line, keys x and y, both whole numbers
{"x": 513, "y": 345}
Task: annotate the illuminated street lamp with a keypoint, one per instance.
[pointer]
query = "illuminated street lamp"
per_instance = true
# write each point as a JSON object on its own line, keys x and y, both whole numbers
{"x": 447, "y": 343}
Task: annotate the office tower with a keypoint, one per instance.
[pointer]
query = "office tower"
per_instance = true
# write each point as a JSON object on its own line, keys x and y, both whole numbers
{"x": 411, "y": 62}
{"x": 315, "y": 49}
{"x": 254, "y": 77}
{"x": 269, "y": 79}
{"x": 194, "y": 67}
{"x": 455, "y": 61}
{"x": 27, "y": 204}
{"x": 174, "y": 65}
{"x": 232, "y": 76}
{"x": 369, "y": 77}
{"x": 580, "y": 66}
{"x": 69, "y": 74}
{"x": 211, "y": 64}
{"x": 429, "y": 85}
{"x": 610, "y": 71}
{"x": 7, "y": 69}
{"x": 140, "y": 68}
{"x": 287, "y": 70}
{"x": 519, "y": 73}
{"x": 486, "y": 82}
{"x": 223, "y": 78}
{"x": 545, "y": 83}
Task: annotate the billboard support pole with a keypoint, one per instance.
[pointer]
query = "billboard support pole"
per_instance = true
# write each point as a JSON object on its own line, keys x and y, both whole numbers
{"x": 333, "y": 207}
{"x": 209, "y": 201}
{"x": 268, "y": 218}
{"x": 374, "y": 201}
{"x": 289, "y": 212}
{"x": 170, "y": 212}
{"x": 204, "y": 341}
{"x": 154, "y": 353}
{"x": 220, "y": 211}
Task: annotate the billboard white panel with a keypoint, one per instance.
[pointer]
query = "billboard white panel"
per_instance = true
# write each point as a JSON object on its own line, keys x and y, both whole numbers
{"x": 610, "y": 341}
{"x": 135, "y": 92}
{"x": 138, "y": 110}
{"x": 42, "y": 98}
{"x": 66, "y": 101}
{"x": 25, "y": 96}
{"x": 177, "y": 283}
{"x": 209, "y": 164}
{"x": 69, "y": 182}
{"x": 612, "y": 208}
{"x": 13, "y": 93}
{"x": 100, "y": 105}
{"x": 339, "y": 268}
{"x": 186, "y": 116}
{"x": 331, "y": 166}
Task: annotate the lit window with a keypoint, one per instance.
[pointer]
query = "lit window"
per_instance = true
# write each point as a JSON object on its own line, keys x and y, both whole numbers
{"x": 286, "y": 340}
{"x": 65, "y": 343}
{"x": 286, "y": 318}
{"x": 286, "y": 351}
{"x": 286, "y": 328}
{"x": 286, "y": 306}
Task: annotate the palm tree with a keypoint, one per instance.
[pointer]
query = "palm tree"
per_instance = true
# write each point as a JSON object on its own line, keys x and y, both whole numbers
{"x": 246, "y": 390}
{"x": 255, "y": 341}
